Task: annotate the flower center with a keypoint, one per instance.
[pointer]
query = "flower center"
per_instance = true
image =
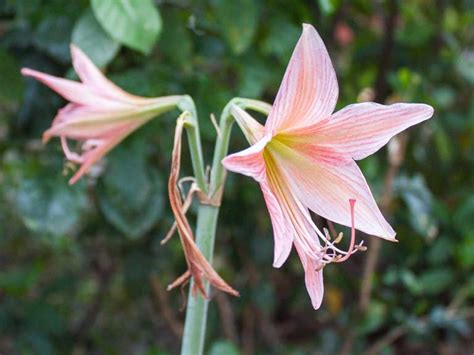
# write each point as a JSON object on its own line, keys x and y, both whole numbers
{"x": 325, "y": 249}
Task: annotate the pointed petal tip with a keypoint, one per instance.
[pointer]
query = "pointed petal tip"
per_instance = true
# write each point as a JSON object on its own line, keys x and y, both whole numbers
{"x": 308, "y": 30}
{"x": 278, "y": 262}
{"x": 317, "y": 305}
{"x": 281, "y": 254}
{"x": 225, "y": 162}
{"x": 46, "y": 137}
{"x": 75, "y": 178}
{"x": 426, "y": 110}
{"x": 429, "y": 110}
{"x": 76, "y": 52}
{"x": 28, "y": 72}
{"x": 389, "y": 237}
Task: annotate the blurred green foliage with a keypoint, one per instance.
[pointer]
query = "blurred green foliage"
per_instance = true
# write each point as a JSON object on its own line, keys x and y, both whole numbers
{"x": 81, "y": 267}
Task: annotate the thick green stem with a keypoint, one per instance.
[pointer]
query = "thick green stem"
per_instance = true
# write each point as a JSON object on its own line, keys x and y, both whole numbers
{"x": 194, "y": 139}
{"x": 196, "y": 310}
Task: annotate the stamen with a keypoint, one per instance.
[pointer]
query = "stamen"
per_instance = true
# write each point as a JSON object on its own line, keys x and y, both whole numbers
{"x": 327, "y": 253}
{"x": 326, "y": 233}
{"x": 91, "y": 144}
{"x": 71, "y": 156}
{"x": 339, "y": 238}
{"x": 351, "y": 247}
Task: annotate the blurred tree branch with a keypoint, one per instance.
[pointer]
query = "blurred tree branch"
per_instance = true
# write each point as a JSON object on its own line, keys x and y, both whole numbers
{"x": 381, "y": 93}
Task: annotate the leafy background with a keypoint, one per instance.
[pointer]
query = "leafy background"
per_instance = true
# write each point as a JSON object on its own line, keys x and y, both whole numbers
{"x": 81, "y": 267}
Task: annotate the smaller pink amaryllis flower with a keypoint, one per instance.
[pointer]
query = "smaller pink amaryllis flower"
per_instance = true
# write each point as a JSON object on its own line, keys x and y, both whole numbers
{"x": 304, "y": 160}
{"x": 100, "y": 114}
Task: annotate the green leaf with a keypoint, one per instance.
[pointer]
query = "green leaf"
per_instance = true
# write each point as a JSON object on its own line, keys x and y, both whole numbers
{"x": 12, "y": 90}
{"x": 410, "y": 281}
{"x": 18, "y": 281}
{"x": 281, "y": 39}
{"x": 328, "y": 7}
{"x": 93, "y": 40}
{"x": 238, "y": 20}
{"x": 255, "y": 77}
{"x": 433, "y": 282}
{"x": 465, "y": 252}
{"x": 130, "y": 193}
{"x": 374, "y": 318}
{"x": 419, "y": 200}
{"x": 50, "y": 205}
{"x": 134, "y": 23}
{"x": 465, "y": 66}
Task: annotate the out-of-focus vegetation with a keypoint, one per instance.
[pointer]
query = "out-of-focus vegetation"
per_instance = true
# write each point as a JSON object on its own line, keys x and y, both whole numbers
{"x": 81, "y": 267}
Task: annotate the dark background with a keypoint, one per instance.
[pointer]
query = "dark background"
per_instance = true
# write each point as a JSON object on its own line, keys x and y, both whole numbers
{"x": 81, "y": 267}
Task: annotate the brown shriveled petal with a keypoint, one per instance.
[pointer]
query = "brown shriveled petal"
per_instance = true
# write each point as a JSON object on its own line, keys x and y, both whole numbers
{"x": 187, "y": 203}
{"x": 198, "y": 266}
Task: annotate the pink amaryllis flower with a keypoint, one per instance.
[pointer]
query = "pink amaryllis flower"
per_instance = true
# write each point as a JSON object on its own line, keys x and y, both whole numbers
{"x": 100, "y": 114}
{"x": 303, "y": 159}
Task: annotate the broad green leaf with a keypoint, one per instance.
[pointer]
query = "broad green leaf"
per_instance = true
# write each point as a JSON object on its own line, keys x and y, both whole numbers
{"x": 465, "y": 252}
{"x": 255, "y": 77}
{"x": 419, "y": 200}
{"x": 50, "y": 206}
{"x": 134, "y": 23}
{"x": 465, "y": 66}
{"x": 18, "y": 281}
{"x": 328, "y": 7}
{"x": 410, "y": 281}
{"x": 238, "y": 22}
{"x": 374, "y": 318}
{"x": 93, "y": 40}
{"x": 130, "y": 194}
{"x": 281, "y": 39}
{"x": 434, "y": 281}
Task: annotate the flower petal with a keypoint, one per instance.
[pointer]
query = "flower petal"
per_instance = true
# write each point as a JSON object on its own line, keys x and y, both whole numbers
{"x": 358, "y": 130}
{"x": 250, "y": 127}
{"x": 94, "y": 155}
{"x": 309, "y": 90}
{"x": 71, "y": 90}
{"x": 83, "y": 122}
{"x": 313, "y": 276}
{"x": 326, "y": 190}
{"x": 282, "y": 234}
{"x": 91, "y": 76}
{"x": 249, "y": 161}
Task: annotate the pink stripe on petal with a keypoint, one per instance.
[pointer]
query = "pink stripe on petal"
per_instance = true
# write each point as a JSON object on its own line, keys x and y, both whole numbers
{"x": 91, "y": 76}
{"x": 250, "y": 127}
{"x": 70, "y": 90}
{"x": 326, "y": 190}
{"x": 82, "y": 122}
{"x": 309, "y": 90}
{"x": 282, "y": 233}
{"x": 95, "y": 154}
{"x": 249, "y": 161}
{"x": 359, "y": 130}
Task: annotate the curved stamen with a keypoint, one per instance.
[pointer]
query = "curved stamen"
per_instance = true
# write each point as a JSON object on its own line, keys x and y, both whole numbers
{"x": 351, "y": 246}
{"x": 71, "y": 156}
{"x": 91, "y": 144}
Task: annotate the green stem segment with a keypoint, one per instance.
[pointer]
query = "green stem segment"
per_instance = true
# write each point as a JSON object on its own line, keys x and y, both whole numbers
{"x": 194, "y": 141}
{"x": 196, "y": 310}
